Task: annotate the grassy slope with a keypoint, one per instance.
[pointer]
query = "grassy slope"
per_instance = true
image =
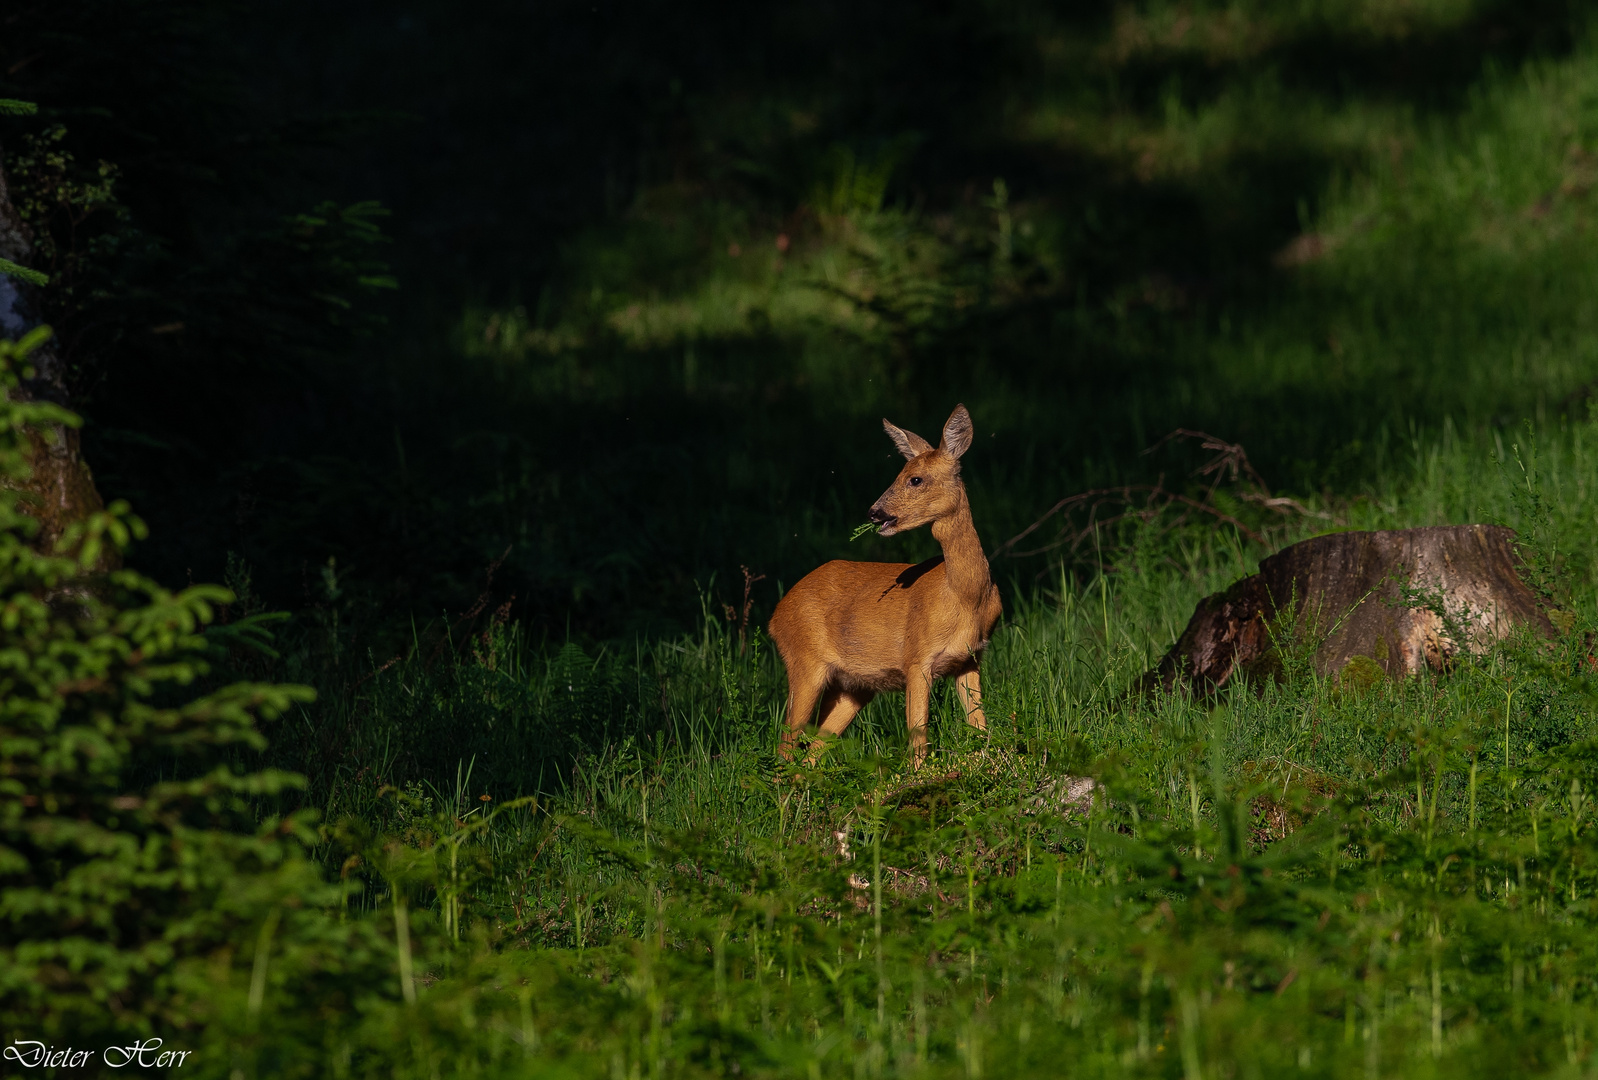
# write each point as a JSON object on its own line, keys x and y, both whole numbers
{"x": 1393, "y": 881}
{"x": 1390, "y": 882}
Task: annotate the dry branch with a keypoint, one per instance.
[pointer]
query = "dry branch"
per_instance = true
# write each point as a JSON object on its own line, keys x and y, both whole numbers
{"x": 1230, "y": 463}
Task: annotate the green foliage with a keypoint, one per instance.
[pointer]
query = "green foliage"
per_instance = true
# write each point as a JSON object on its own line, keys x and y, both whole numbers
{"x": 31, "y": 276}
{"x": 128, "y": 850}
{"x": 56, "y": 199}
{"x": 337, "y": 242}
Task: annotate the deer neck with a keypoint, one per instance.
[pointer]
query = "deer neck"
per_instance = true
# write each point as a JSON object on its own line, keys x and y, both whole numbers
{"x": 964, "y": 564}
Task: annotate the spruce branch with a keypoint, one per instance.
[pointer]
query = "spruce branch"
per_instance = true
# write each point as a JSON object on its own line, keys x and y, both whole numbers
{"x": 32, "y": 277}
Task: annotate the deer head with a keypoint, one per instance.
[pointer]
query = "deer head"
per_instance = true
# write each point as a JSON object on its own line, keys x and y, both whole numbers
{"x": 928, "y": 487}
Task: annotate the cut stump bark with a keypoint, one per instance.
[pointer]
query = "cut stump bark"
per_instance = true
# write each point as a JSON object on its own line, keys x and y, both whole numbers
{"x": 1358, "y": 605}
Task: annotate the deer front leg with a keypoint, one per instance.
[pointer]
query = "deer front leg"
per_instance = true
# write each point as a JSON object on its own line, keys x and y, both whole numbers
{"x": 969, "y": 685}
{"x": 917, "y": 705}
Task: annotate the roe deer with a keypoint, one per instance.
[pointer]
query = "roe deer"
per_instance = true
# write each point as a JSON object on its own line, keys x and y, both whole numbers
{"x": 851, "y": 630}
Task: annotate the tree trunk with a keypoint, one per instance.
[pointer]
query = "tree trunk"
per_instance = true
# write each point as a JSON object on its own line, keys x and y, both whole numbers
{"x": 60, "y": 491}
{"x": 1356, "y": 604}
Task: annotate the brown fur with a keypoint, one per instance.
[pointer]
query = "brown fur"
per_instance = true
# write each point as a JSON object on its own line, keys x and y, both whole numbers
{"x": 851, "y": 630}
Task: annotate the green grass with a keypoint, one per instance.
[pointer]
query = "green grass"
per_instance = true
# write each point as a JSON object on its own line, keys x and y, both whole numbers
{"x": 1395, "y": 880}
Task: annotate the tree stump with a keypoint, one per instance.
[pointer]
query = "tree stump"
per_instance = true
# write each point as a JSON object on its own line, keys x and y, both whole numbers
{"x": 1357, "y": 603}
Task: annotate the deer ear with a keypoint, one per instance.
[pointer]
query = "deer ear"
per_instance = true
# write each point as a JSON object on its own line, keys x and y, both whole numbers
{"x": 957, "y": 433}
{"x": 909, "y": 443}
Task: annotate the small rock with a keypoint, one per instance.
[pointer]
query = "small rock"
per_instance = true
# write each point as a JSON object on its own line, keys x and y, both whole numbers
{"x": 1071, "y": 794}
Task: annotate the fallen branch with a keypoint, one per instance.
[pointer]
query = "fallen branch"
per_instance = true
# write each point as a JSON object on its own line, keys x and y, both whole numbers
{"x": 1230, "y": 462}
{"x": 1283, "y": 504}
{"x": 1159, "y": 499}
{"x": 1229, "y": 457}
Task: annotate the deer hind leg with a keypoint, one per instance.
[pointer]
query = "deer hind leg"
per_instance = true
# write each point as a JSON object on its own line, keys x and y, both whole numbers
{"x": 804, "y": 688}
{"x": 839, "y": 707}
{"x": 968, "y": 683}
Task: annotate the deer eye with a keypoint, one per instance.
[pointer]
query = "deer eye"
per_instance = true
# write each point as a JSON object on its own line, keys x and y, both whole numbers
{"x": 915, "y": 481}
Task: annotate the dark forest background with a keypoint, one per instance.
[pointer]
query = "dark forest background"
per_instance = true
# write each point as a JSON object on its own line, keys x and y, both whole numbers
{"x": 415, "y": 310}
